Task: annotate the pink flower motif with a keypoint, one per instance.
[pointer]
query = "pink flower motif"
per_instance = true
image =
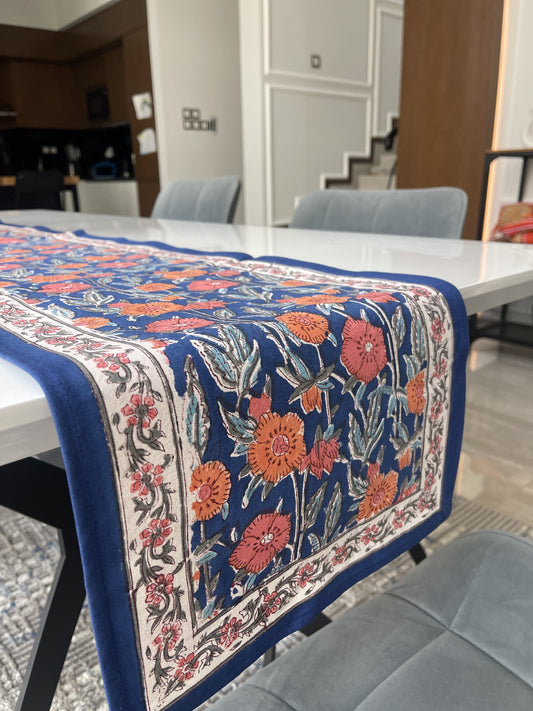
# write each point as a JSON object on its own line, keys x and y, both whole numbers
{"x": 399, "y": 519}
{"x": 170, "y": 325}
{"x": 437, "y": 327}
{"x": 227, "y": 273}
{"x": 168, "y": 637}
{"x": 262, "y": 539}
{"x": 259, "y": 405}
{"x": 205, "y": 305}
{"x": 64, "y": 288}
{"x": 363, "y": 352}
{"x": 429, "y": 483}
{"x": 322, "y": 457}
{"x": 271, "y": 603}
{"x": 155, "y": 534}
{"x": 440, "y": 368}
{"x": 407, "y": 491}
{"x": 304, "y": 575}
{"x": 339, "y": 555}
{"x": 379, "y": 297}
{"x": 164, "y": 584}
{"x": 211, "y": 284}
{"x": 186, "y": 668}
{"x": 148, "y": 476}
{"x": 369, "y": 534}
{"x": 139, "y": 409}
{"x": 435, "y": 444}
{"x": 230, "y": 631}
{"x": 436, "y": 410}
{"x": 64, "y": 341}
{"x": 419, "y": 291}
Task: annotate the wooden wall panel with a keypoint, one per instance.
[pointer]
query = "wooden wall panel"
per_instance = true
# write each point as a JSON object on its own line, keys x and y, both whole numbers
{"x": 138, "y": 79}
{"x": 448, "y": 96}
{"x": 105, "y": 69}
{"x": 42, "y": 94}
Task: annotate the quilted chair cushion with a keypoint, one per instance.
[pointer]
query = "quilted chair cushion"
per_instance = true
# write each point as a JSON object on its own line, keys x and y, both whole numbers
{"x": 202, "y": 200}
{"x": 430, "y": 212}
{"x": 455, "y": 633}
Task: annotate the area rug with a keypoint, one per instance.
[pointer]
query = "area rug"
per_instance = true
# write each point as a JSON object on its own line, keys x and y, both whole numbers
{"x": 29, "y": 553}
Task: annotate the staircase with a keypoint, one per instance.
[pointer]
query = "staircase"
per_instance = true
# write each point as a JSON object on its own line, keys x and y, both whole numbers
{"x": 373, "y": 172}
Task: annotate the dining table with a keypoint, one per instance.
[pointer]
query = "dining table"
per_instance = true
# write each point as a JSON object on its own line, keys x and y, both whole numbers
{"x": 485, "y": 275}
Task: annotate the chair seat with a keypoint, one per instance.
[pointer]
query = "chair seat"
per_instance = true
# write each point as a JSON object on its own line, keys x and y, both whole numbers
{"x": 455, "y": 633}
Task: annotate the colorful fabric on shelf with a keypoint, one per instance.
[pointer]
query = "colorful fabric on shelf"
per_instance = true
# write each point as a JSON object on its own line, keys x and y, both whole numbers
{"x": 244, "y": 439}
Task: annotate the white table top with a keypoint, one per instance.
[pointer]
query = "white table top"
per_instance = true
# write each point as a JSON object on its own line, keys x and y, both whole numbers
{"x": 487, "y": 275}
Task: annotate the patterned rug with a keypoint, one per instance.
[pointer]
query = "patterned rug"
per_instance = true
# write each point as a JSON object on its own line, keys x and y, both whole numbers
{"x": 29, "y": 553}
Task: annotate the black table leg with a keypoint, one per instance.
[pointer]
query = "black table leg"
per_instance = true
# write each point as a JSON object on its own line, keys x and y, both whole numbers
{"x": 40, "y": 490}
{"x": 418, "y": 554}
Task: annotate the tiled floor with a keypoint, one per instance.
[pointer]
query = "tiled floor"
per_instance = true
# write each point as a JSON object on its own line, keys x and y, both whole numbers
{"x": 496, "y": 466}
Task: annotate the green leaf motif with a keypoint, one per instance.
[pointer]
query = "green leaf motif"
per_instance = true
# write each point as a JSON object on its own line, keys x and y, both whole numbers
{"x": 314, "y": 505}
{"x": 238, "y": 429}
{"x": 398, "y": 323}
{"x": 333, "y": 511}
{"x": 314, "y": 540}
{"x": 417, "y": 337}
{"x": 250, "y": 370}
{"x": 197, "y": 417}
{"x": 355, "y": 442}
{"x": 222, "y": 369}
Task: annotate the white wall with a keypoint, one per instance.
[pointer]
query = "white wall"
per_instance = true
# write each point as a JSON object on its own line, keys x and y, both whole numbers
{"x": 48, "y": 14}
{"x": 194, "y": 52}
{"x": 514, "y": 113}
{"x": 300, "y": 122}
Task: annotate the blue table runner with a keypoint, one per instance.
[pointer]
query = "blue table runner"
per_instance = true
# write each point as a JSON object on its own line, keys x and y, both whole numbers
{"x": 244, "y": 439}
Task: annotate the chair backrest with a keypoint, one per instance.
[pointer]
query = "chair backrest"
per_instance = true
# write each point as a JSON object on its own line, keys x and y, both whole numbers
{"x": 202, "y": 200}
{"x": 39, "y": 189}
{"x": 429, "y": 212}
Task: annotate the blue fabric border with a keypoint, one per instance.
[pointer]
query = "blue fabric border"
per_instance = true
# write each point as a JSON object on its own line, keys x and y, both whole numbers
{"x": 100, "y": 536}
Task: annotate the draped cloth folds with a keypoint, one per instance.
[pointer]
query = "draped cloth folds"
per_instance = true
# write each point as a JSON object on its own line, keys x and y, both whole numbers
{"x": 244, "y": 438}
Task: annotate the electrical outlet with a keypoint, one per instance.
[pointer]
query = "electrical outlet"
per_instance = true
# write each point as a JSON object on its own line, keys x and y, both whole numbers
{"x": 316, "y": 61}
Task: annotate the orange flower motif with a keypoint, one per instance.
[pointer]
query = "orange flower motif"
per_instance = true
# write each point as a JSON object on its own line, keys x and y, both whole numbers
{"x": 416, "y": 400}
{"x": 405, "y": 458}
{"x": 92, "y": 321}
{"x": 315, "y": 299}
{"x": 312, "y": 399}
{"x": 170, "y": 325}
{"x": 184, "y": 274}
{"x": 379, "y": 296}
{"x": 311, "y": 328}
{"x": 278, "y": 447}
{"x": 6, "y": 283}
{"x": 153, "y": 308}
{"x": 155, "y": 286}
{"x": 211, "y": 484}
{"x": 380, "y": 494}
{"x": 295, "y": 282}
{"x": 50, "y": 278}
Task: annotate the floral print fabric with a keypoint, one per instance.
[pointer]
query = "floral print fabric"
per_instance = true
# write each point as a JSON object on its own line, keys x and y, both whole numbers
{"x": 269, "y": 426}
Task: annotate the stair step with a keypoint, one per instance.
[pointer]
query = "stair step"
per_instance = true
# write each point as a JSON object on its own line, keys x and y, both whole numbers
{"x": 373, "y": 182}
{"x": 386, "y": 161}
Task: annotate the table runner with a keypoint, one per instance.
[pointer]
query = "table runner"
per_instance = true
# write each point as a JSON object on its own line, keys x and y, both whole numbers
{"x": 243, "y": 439}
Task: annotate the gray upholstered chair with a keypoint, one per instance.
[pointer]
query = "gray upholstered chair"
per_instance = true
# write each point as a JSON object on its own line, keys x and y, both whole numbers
{"x": 201, "y": 200}
{"x": 455, "y": 633}
{"x": 429, "y": 212}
